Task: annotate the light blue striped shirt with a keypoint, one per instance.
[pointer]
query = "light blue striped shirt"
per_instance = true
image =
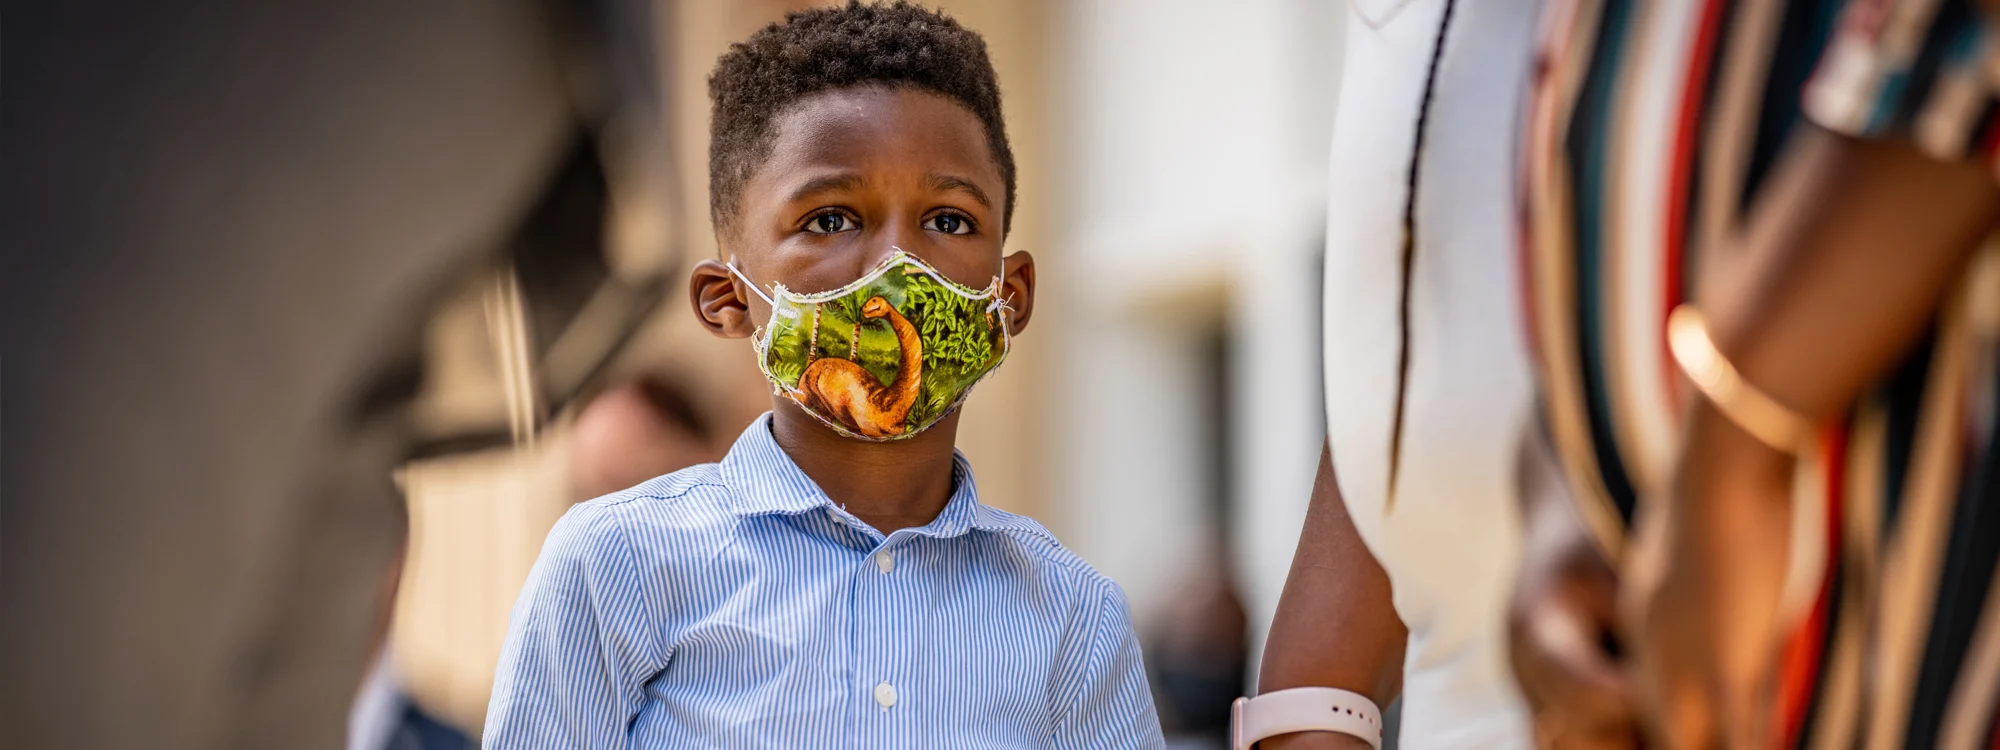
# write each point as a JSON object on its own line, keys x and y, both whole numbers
{"x": 734, "y": 605}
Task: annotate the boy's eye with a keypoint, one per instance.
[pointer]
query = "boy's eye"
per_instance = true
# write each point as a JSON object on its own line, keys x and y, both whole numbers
{"x": 949, "y": 224}
{"x": 829, "y": 223}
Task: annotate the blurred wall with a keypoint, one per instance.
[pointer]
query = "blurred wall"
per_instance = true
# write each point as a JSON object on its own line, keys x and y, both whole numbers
{"x": 1191, "y": 144}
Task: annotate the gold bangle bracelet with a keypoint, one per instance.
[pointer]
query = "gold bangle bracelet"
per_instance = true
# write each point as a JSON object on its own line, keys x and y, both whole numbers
{"x": 1772, "y": 423}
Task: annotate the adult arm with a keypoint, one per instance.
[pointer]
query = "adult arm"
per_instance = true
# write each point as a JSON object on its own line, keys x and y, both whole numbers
{"x": 1845, "y": 260}
{"x": 1336, "y": 624}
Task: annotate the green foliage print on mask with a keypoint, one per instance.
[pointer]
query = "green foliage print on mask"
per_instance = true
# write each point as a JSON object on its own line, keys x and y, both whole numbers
{"x": 887, "y": 356}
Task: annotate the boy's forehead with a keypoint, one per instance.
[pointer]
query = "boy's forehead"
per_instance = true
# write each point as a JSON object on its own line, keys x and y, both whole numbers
{"x": 877, "y": 129}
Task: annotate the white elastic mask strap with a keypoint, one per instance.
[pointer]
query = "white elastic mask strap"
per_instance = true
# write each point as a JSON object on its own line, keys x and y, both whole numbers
{"x": 752, "y": 284}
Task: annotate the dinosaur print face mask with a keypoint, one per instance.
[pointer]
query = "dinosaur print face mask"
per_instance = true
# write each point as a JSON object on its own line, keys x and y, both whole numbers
{"x": 887, "y": 356}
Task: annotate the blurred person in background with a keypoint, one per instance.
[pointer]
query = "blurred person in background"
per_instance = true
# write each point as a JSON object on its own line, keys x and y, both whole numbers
{"x": 1399, "y": 581}
{"x": 232, "y": 230}
{"x": 1766, "y": 310}
{"x": 637, "y": 431}
{"x": 1198, "y": 654}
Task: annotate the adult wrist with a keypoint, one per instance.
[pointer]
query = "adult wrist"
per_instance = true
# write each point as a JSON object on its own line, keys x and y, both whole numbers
{"x": 1721, "y": 460}
{"x": 1315, "y": 741}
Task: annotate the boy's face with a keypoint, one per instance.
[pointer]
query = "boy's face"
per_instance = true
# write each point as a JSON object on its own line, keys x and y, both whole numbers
{"x": 852, "y": 174}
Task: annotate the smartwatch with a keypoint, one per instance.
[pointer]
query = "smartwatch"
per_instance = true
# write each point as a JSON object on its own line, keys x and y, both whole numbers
{"x": 1306, "y": 709}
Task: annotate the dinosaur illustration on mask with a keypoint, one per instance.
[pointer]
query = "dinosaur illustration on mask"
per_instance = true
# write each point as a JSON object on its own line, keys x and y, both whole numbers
{"x": 849, "y": 393}
{"x": 914, "y": 343}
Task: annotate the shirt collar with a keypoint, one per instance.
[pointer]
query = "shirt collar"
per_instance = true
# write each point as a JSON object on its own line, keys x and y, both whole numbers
{"x": 766, "y": 482}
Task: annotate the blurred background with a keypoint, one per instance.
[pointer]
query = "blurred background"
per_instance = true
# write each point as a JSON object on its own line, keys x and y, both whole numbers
{"x": 1163, "y": 418}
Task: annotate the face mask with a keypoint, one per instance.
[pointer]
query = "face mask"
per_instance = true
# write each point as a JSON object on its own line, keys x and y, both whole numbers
{"x": 887, "y": 356}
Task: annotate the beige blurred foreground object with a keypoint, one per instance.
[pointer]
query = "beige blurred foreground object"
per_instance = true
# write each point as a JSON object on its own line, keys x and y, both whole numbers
{"x": 477, "y": 521}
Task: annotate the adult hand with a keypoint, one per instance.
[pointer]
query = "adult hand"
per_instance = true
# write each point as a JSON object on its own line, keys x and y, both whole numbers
{"x": 1560, "y": 635}
{"x": 1704, "y": 573}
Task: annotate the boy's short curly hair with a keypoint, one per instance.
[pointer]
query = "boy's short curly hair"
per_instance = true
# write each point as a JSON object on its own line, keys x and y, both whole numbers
{"x": 898, "y": 45}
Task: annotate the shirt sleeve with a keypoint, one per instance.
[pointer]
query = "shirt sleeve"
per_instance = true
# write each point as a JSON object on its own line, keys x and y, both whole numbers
{"x": 580, "y": 646}
{"x": 1109, "y": 703}
{"x": 1924, "y": 71}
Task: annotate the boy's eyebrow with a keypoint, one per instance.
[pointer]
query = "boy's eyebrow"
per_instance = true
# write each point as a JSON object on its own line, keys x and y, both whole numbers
{"x": 827, "y": 183}
{"x": 944, "y": 182}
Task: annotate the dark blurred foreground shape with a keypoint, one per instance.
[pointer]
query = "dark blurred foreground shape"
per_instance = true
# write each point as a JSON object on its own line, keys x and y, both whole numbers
{"x": 231, "y": 230}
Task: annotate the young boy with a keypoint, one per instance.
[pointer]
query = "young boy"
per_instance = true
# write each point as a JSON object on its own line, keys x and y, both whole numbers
{"x": 834, "y": 581}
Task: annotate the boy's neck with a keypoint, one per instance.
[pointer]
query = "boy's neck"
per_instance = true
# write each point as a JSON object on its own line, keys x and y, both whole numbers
{"x": 890, "y": 486}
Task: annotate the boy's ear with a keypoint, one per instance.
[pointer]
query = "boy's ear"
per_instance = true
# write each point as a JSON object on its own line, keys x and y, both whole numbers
{"x": 720, "y": 307}
{"x": 1017, "y": 286}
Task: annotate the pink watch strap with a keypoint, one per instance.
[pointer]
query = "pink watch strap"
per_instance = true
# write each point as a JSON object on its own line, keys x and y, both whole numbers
{"x": 1306, "y": 709}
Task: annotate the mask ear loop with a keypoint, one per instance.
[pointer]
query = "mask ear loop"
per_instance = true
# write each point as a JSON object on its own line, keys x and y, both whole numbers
{"x": 752, "y": 284}
{"x": 757, "y": 338}
{"x": 998, "y": 306}
{"x": 999, "y": 309}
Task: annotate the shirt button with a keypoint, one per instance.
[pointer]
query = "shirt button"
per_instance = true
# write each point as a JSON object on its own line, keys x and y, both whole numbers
{"x": 885, "y": 694}
{"x": 884, "y": 561}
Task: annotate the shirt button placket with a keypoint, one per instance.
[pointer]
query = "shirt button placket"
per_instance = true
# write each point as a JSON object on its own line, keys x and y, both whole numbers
{"x": 882, "y": 656}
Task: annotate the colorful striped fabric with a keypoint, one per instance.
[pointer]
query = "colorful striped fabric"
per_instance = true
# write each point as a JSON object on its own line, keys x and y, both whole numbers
{"x": 1650, "y": 127}
{"x": 1928, "y": 71}
{"x": 734, "y": 605}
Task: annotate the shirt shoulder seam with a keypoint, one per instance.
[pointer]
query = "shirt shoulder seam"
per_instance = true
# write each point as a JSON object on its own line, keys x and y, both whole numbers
{"x": 1100, "y": 634}
{"x": 1045, "y": 547}
{"x": 625, "y": 498}
{"x": 656, "y": 649}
